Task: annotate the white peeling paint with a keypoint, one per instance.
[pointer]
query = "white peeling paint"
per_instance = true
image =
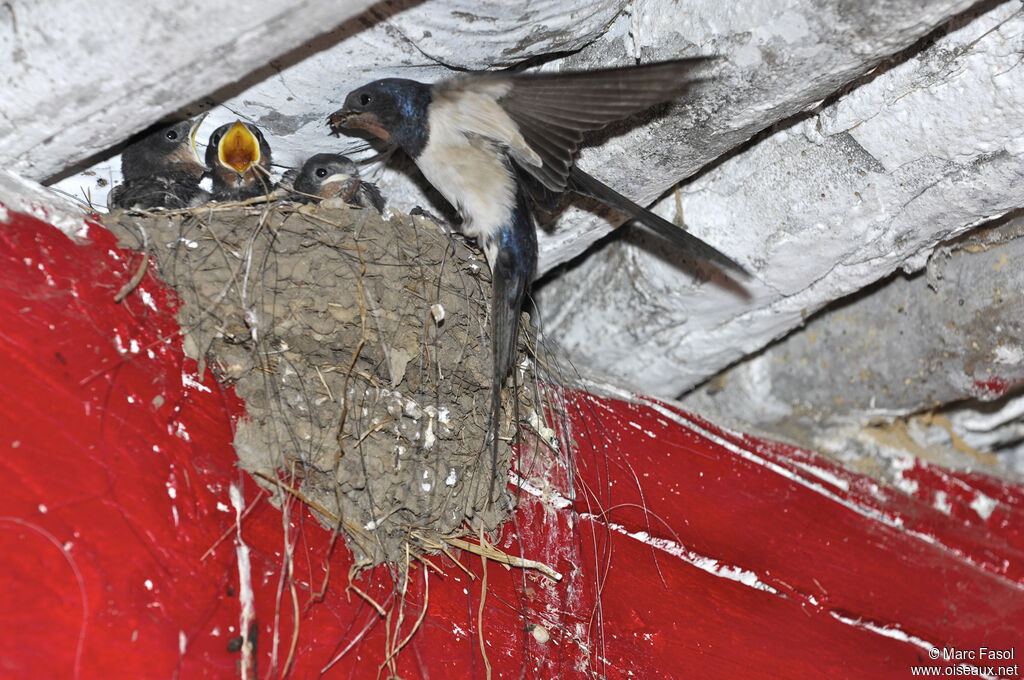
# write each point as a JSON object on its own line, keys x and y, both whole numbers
{"x": 547, "y": 495}
{"x": 901, "y": 462}
{"x": 192, "y": 382}
{"x": 546, "y": 433}
{"x": 983, "y": 505}
{"x": 824, "y": 475}
{"x": 179, "y": 431}
{"x": 246, "y": 596}
{"x": 147, "y": 299}
{"x": 702, "y": 562}
{"x": 890, "y": 631}
{"x": 1009, "y": 354}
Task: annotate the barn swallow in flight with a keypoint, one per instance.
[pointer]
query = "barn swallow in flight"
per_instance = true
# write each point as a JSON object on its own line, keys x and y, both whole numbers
{"x": 161, "y": 170}
{"x": 331, "y": 175}
{"x": 489, "y": 143}
{"x": 239, "y": 160}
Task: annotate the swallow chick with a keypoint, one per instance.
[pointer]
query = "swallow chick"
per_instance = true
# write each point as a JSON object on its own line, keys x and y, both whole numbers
{"x": 493, "y": 143}
{"x": 239, "y": 159}
{"x": 161, "y": 170}
{"x": 331, "y": 175}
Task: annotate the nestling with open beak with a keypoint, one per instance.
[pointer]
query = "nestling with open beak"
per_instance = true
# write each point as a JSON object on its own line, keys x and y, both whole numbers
{"x": 161, "y": 170}
{"x": 331, "y": 175}
{"x": 491, "y": 143}
{"x": 239, "y": 160}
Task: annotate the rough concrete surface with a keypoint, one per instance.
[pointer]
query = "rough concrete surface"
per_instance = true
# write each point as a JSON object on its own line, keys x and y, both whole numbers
{"x": 872, "y": 183}
{"x": 80, "y": 77}
{"x": 910, "y": 344}
{"x": 778, "y": 59}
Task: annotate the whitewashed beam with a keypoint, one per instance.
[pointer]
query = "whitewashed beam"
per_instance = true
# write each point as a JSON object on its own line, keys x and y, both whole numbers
{"x": 870, "y": 184}
{"x": 25, "y": 196}
{"x": 779, "y": 58}
{"x": 479, "y": 34}
{"x": 951, "y": 332}
{"x": 79, "y": 76}
{"x": 423, "y": 41}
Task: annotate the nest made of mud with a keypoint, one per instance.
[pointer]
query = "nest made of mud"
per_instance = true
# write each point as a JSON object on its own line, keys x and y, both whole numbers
{"x": 360, "y": 347}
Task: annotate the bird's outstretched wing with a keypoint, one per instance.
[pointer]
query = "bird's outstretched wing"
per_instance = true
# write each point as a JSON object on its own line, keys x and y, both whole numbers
{"x": 553, "y": 110}
{"x": 549, "y": 112}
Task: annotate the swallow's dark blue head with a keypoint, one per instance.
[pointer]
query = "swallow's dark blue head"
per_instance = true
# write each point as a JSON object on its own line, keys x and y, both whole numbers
{"x": 393, "y": 109}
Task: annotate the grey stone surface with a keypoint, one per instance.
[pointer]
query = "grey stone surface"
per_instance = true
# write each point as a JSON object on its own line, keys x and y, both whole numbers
{"x": 777, "y": 59}
{"x": 954, "y": 331}
{"x": 915, "y": 155}
{"x": 79, "y": 77}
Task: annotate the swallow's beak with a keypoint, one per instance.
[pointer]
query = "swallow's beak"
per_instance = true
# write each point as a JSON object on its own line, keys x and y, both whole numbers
{"x": 344, "y": 118}
{"x": 193, "y": 130}
{"x": 239, "y": 149}
{"x": 339, "y": 119}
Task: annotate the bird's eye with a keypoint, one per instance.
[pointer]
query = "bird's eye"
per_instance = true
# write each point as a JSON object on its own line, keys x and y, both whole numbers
{"x": 365, "y": 99}
{"x": 320, "y": 172}
{"x": 172, "y": 135}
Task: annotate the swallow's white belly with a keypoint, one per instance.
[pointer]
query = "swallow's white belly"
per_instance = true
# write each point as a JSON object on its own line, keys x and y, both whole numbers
{"x": 468, "y": 170}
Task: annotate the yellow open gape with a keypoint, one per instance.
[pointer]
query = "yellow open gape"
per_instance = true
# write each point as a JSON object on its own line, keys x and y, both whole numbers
{"x": 239, "y": 149}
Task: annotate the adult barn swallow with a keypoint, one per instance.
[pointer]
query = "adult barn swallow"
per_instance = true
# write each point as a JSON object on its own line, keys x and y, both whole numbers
{"x": 490, "y": 142}
{"x": 239, "y": 160}
{"x": 331, "y": 175}
{"x": 161, "y": 170}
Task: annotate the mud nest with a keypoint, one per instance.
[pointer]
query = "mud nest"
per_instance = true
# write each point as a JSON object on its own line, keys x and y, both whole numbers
{"x": 360, "y": 347}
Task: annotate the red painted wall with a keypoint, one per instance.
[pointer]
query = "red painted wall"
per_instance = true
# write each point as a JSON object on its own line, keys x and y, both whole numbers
{"x": 686, "y": 551}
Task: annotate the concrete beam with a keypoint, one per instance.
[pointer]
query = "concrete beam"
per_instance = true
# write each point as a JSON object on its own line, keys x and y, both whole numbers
{"x": 291, "y": 100}
{"x": 779, "y": 59}
{"x": 910, "y": 158}
{"x": 954, "y": 331}
{"x": 82, "y": 76}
